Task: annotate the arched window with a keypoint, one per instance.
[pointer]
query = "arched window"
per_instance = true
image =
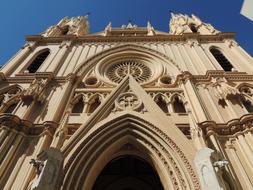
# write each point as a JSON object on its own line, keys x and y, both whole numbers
{"x": 78, "y": 106}
{"x": 248, "y": 105}
{"x": 37, "y": 62}
{"x": 222, "y": 60}
{"x": 178, "y": 105}
{"x": 11, "y": 108}
{"x": 193, "y": 28}
{"x": 94, "y": 104}
{"x": 162, "y": 104}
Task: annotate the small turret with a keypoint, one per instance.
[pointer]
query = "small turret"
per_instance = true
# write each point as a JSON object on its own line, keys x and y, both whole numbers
{"x": 78, "y": 26}
{"x": 180, "y": 24}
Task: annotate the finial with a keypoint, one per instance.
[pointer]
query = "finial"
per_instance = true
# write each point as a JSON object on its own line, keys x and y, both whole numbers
{"x": 149, "y": 25}
{"x": 172, "y": 13}
{"x": 108, "y": 27}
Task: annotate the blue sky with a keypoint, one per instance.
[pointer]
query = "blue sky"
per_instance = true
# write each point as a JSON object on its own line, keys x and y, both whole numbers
{"x": 31, "y": 17}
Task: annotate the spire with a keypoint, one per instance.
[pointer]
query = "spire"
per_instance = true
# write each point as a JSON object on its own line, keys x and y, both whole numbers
{"x": 150, "y": 28}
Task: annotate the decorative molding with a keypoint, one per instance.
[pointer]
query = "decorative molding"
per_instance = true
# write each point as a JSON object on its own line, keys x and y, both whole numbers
{"x": 27, "y": 128}
{"x": 220, "y": 37}
{"x": 231, "y": 128}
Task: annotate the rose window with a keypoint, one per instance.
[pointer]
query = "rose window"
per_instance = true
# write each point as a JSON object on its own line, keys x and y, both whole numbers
{"x": 139, "y": 71}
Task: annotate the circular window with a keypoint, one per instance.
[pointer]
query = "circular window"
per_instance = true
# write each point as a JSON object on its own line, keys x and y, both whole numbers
{"x": 166, "y": 80}
{"x": 138, "y": 70}
{"x": 91, "y": 81}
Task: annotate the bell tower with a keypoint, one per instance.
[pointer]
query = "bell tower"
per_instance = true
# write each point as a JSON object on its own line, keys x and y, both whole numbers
{"x": 180, "y": 24}
{"x": 77, "y": 26}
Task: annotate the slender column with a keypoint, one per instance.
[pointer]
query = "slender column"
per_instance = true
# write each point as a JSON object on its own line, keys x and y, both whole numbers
{"x": 20, "y": 56}
{"x": 207, "y": 92}
{"x": 245, "y": 160}
{"x": 61, "y": 101}
{"x": 86, "y": 106}
{"x": 249, "y": 139}
{"x": 194, "y": 101}
{"x": 214, "y": 141}
{"x": 247, "y": 151}
{"x": 17, "y": 167}
{"x": 3, "y": 135}
{"x": 6, "y": 145}
{"x": 196, "y": 133}
{"x": 169, "y": 107}
{"x": 239, "y": 170}
{"x": 56, "y": 62}
{"x": 197, "y": 62}
{"x": 11, "y": 151}
{"x": 61, "y": 132}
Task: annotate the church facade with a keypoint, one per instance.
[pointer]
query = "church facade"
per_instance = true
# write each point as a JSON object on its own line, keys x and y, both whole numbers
{"x": 128, "y": 108}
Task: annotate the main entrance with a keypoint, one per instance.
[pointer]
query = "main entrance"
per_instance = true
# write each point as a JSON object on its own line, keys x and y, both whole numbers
{"x": 128, "y": 173}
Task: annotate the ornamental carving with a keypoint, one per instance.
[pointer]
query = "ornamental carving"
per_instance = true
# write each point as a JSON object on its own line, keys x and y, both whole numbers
{"x": 35, "y": 90}
{"x": 118, "y": 71}
{"x": 180, "y": 24}
{"x": 222, "y": 88}
{"x": 5, "y": 98}
{"x": 128, "y": 101}
{"x": 78, "y": 26}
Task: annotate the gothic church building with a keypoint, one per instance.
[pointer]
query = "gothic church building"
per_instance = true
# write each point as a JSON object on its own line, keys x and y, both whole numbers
{"x": 128, "y": 108}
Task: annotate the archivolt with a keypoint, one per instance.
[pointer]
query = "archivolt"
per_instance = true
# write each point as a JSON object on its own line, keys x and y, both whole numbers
{"x": 91, "y": 155}
{"x": 89, "y": 63}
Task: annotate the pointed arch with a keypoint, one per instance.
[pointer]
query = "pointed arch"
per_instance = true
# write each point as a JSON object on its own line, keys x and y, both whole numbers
{"x": 178, "y": 103}
{"x": 78, "y": 106}
{"x": 246, "y": 96}
{"x": 221, "y": 59}
{"x": 77, "y": 103}
{"x": 37, "y": 61}
{"x": 162, "y": 101}
{"x": 94, "y": 103}
{"x": 107, "y": 141}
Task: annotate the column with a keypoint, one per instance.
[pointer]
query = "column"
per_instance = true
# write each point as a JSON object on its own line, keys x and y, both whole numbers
{"x": 6, "y": 145}
{"x": 61, "y": 132}
{"x": 249, "y": 139}
{"x": 61, "y": 101}
{"x": 55, "y": 64}
{"x": 247, "y": 164}
{"x": 195, "y": 101}
{"x": 11, "y": 151}
{"x": 247, "y": 151}
{"x": 238, "y": 168}
{"x": 3, "y": 135}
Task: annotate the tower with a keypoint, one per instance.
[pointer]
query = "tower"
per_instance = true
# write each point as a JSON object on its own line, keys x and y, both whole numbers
{"x": 127, "y": 108}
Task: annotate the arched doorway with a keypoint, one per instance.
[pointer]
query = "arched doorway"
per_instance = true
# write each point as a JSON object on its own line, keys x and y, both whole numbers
{"x": 128, "y": 173}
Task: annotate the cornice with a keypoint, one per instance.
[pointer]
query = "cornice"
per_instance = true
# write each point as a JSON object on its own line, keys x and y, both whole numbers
{"x": 157, "y": 38}
{"x": 27, "y": 128}
{"x": 184, "y": 76}
{"x": 231, "y": 76}
{"x": 231, "y": 128}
